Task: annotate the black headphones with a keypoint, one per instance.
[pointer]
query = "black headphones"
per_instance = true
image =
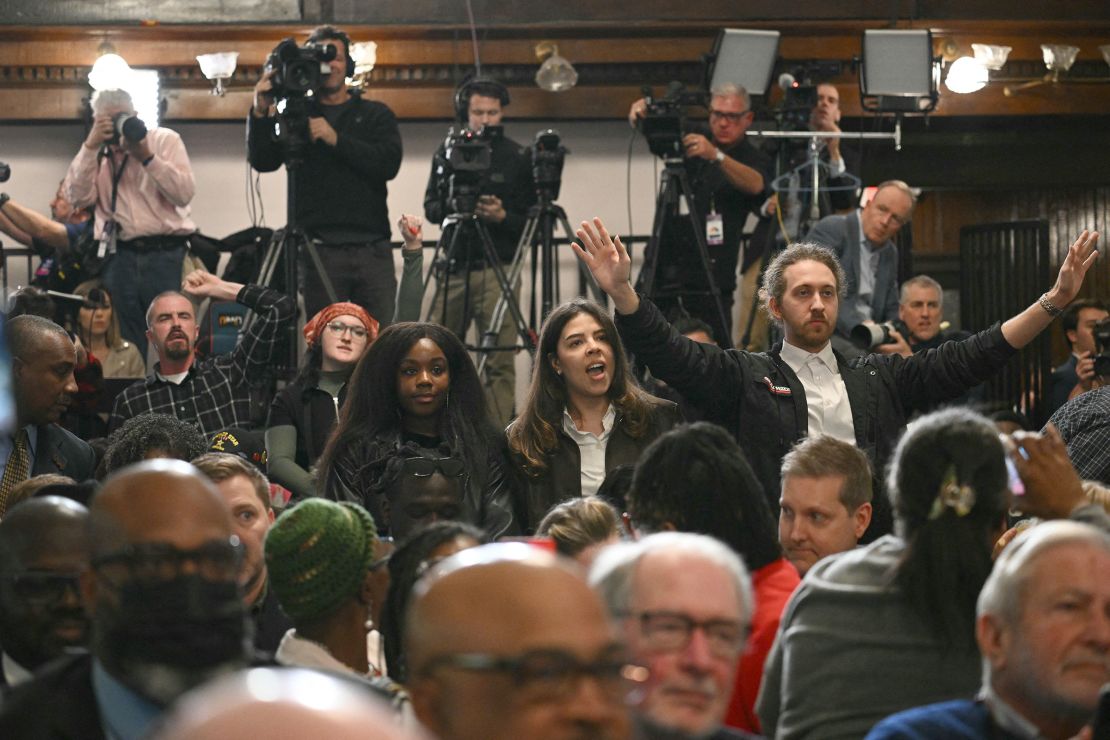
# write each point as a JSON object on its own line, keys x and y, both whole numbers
{"x": 477, "y": 86}
{"x": 325, "y": 34}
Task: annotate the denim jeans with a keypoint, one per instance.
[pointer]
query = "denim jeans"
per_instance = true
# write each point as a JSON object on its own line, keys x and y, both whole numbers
{"x": 133, "y": 279}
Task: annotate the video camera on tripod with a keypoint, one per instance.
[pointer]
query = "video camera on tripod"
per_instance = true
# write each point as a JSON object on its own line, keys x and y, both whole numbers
{"x": 664, "y": 120}
{"x": 297, "y": 72}
{"x": 800, "y": 93}
{"x": 467, "y": 157}
{"x": 548, "y": 156}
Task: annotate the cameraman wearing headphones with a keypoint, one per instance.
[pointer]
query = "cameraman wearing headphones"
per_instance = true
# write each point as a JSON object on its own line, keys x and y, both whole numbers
{"x": 728, "y": 176}
{"x": 354, "y": 150}
{"x": 506, "y": 191}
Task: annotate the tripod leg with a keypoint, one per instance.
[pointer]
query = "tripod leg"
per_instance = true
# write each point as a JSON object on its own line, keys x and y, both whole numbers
{"x": 586, "y": 281}
{"x": 703, "y": 253}
{"x": 318, "y": 265}
{"x": 646, "y": 280}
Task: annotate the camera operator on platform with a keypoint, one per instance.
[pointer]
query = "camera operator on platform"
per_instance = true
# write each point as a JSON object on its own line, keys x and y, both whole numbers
{"x": 728, "y": 176}
{"x": 354, "y": 149}
{"x": 506, "y": 192}
{"x": 141, "y": 183}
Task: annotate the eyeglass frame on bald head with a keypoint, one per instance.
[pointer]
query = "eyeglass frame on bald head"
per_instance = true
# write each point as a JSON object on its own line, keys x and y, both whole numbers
{"x": 555, "y": 681}
{"x": 157, "y": 562}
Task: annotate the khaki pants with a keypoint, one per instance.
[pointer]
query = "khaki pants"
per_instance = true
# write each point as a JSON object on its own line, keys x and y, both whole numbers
{"x": 749, "y": 287}
{"x": 500, "y": 375}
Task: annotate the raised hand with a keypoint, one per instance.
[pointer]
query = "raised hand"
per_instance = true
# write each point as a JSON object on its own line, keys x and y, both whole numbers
{"x": 1081, "y": 255}
{"x": 609, "y": 263}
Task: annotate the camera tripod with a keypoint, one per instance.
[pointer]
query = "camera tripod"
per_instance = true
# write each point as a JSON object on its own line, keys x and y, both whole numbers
{"x": 284, "y": 250}
{"x": 539, "y": 233}
{"x": 676, "y": 196}
{"x": 448, "y": 255}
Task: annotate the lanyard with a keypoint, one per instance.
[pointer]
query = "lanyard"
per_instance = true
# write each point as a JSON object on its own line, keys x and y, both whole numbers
{"x": 117, "y": 175}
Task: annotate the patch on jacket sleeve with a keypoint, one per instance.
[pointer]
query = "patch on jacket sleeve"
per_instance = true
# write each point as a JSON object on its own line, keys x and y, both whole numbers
{"x": 778, "y": 390}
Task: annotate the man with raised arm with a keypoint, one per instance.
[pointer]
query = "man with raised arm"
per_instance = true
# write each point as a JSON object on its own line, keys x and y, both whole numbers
{"x": 770, "y": 400}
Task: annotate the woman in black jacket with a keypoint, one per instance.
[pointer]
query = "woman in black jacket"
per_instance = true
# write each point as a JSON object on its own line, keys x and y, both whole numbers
{"x": 584, "y": 414}
{"x": 416, "y": 395}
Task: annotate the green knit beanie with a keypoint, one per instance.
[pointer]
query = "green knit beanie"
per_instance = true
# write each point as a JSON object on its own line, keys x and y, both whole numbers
{"x": 318, "y": 554}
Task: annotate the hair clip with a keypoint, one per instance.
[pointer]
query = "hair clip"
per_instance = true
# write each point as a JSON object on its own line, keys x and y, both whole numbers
{"x": 953, "y": 495}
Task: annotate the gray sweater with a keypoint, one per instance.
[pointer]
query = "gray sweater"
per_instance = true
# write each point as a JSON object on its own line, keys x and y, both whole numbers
{"x": 851, "y": 651}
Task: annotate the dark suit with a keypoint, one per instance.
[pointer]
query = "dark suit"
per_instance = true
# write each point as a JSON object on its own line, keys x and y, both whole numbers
{"x": 58, "y": 451}
{"x": 57, "y": 704}
{"x": 841, "y": 234}
{"x": 1063, "y": 379}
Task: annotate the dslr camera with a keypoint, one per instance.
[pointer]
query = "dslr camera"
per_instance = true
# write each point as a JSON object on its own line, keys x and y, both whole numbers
{"x": 870, "y": 336}
{"x": 127, "y": 126}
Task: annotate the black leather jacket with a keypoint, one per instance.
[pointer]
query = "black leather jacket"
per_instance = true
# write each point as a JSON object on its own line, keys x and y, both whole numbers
{"x": 562, "y": 478}
{"x": 757, "y": 397}
{"x": 487, "y": 502}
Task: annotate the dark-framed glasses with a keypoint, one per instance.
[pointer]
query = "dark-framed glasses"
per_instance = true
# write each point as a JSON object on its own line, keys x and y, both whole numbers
{"x": 551, "y": 675}
{"x": 720, "y": 115}
{"x": 155, "y": 562}
{"x": 672, "y": 631}
{"x": 338, "y": 328}
{"x": 425, "y": 467}
{"x": 43, "y": 587}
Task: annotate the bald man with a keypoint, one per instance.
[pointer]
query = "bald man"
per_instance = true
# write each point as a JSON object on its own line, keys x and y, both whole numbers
{"x": 165, "y": 607}
{"x": 505, "y": 641}
{"x": 42, "y": 554}
{"x": 43, "y": 361}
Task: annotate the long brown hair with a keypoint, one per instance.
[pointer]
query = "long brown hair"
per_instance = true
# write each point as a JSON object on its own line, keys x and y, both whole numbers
{"x": 534, "y": 434}
{"x": 113, "y": 339}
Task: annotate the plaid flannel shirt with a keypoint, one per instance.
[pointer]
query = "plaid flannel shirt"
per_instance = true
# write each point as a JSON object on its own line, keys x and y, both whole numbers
{"x": 215, "y": 394}
{"x": 1084, "y": 424}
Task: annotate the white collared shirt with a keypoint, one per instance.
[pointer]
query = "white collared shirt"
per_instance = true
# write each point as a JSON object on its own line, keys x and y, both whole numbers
{"x": 591, "y": 449}
{"x": 826, "y": 396}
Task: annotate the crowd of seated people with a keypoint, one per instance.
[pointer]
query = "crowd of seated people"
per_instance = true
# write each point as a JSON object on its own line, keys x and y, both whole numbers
{"x": 821, "y": 554}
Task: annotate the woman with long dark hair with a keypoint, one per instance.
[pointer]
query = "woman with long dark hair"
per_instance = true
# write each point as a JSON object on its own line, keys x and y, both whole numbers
{"x": 584, "y": 414}
{"x": 891, "y": 625}
{"x": 416, "y": 394}
{"x": 98, "y": 329}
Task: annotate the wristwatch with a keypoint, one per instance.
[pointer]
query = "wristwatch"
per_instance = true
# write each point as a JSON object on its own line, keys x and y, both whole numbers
{"x": 720, "y": 156}
{"x": 4, "y": 198}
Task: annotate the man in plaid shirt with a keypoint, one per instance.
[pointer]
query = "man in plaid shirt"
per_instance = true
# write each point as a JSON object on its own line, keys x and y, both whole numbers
{"x": 213, "y": 394}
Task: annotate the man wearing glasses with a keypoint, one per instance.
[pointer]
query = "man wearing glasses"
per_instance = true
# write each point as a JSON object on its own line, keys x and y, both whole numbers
{"x": 506, "y": 642}
{"x": 684, "y": 604}
{"x": 728, "y": 176}
{"x": 166, "y": 612}
{"x": 42, "y": 554}
{"x": 213, "y": 394}
{"x": 863, "y": 242}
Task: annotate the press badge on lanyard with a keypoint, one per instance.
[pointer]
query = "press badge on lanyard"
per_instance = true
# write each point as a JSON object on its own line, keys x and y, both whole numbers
{"x": 714, "y": 227}
{"x": 107, "y": 240}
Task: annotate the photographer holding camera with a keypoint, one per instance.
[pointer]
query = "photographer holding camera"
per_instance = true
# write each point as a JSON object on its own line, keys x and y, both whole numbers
{"x": 469, "y": 290}
{"x": 352, "y": 149}
{"x": 141, "y": 183}
{"x": 728, "y": 176}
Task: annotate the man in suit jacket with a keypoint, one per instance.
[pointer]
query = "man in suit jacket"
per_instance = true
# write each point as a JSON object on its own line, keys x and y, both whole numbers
{"x": 43, "y": 360}
{"x": 862, "y": 242}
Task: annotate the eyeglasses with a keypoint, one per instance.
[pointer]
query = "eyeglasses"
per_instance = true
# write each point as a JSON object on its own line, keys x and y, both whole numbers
{"x": 42, "y": 587}
{"x": 726, "y": 115}
{"x": 157, "y": 562}
{"x": 338, "y": 328}
{"x": 424, "y": 467}
{"x": 671, "y": 631}
{"x": 550, "y": 675}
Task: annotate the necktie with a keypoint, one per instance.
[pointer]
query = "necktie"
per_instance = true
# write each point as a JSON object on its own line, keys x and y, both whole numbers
{"x": 19, "y": 465}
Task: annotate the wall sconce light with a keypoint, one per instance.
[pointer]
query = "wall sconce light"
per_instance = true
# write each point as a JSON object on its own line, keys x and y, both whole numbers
{"x": 109, "y": 71}
{"x": 556, "y": 74}
{"x": 966, "y": 75}
{"x": 218, "y": 67}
